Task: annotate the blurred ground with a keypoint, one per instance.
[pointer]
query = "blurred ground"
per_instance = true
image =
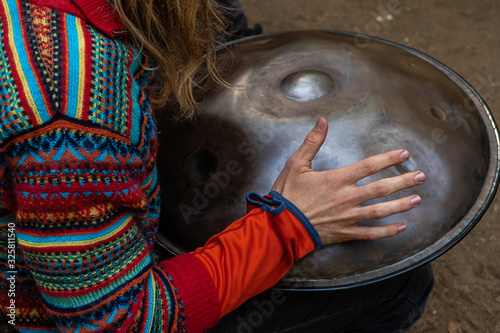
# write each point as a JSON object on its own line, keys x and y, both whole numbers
{"x": 464, "y": 35}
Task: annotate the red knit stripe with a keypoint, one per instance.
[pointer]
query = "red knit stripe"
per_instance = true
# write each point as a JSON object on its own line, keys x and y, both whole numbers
{"x": 64, "y": 124}
{"x": 63, "y": 5}
{"x": 94, "y": 10}
{"x": 89, "y": 10}
{"x": 196, "y": 290}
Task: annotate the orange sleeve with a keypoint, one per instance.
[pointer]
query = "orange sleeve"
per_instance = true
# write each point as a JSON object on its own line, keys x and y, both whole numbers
{"x": 256, "y": 251}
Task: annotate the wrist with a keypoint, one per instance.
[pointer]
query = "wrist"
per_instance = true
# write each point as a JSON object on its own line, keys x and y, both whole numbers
{"x": 275, "y": 204}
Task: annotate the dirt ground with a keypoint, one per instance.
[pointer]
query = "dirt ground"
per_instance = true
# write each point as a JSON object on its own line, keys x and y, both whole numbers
{"x": 464, "y": 35}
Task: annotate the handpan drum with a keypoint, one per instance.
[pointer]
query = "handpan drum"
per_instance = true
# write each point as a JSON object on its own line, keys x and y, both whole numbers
{"x": 377, "y": 96}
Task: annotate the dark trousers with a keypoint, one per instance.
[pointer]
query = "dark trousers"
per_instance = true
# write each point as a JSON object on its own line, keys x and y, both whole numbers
{"x": 389, "y": 306}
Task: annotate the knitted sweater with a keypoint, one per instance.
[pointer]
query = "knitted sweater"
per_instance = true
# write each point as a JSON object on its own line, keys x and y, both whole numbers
{"x": 79, "y": 196}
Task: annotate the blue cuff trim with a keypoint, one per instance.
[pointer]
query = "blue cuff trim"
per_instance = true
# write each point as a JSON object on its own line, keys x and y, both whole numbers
{"x": 281, "y": 204}
{"x": 318, "y": 243}
{"x": 256, "y": 199}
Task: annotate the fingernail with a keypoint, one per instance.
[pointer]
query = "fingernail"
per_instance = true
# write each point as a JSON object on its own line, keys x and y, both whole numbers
{"x": 320, "y": 124}
{"x": 420, "y": 177}
{"x": 402, "y": 228}
{"x": 415, "y": 201}
{"x": 405, "y": 155}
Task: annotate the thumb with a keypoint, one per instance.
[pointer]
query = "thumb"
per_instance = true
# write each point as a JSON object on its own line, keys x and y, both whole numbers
{"x": 313, "y": 141}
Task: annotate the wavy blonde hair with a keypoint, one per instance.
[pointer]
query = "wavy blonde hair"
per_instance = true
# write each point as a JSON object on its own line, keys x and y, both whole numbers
{"x": 181, "y": 37}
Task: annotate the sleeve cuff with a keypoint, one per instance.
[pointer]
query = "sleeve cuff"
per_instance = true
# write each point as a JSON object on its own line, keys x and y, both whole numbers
{"x": 275, "y": 204}
{"x": 196, "y": 290}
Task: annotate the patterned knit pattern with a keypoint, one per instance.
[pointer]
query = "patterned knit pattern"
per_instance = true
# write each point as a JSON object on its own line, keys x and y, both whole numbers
{"x": 78, "y": 179}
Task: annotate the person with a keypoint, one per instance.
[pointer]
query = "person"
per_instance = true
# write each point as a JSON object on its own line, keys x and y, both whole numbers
{"x": 79, "y": 194}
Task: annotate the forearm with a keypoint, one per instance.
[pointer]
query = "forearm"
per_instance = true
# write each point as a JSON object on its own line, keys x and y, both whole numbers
{"x": 255, "y": 252}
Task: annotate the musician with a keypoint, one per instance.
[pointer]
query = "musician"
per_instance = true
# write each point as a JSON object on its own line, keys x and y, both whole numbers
{"x": 79, "y": 195}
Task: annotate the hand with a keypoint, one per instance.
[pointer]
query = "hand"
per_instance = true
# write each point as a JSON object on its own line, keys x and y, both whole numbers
{"x": 331, "y": 200}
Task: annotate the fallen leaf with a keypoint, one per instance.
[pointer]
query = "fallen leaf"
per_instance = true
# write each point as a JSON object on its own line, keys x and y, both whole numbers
{"x": 454, "y": 328}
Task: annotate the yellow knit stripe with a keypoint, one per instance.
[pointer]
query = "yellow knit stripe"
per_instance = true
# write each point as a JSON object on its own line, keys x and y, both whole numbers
{"x": 72, "y": 243}
{"x": 82, "y": 69}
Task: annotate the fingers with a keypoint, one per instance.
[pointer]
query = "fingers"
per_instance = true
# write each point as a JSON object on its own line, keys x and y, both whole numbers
{"x": 374, "y": 164}
{"x": 387, "y": 186}
{"x": 312, "y": 143}
{"x": 353, "y": 231}
{"x": 376, "y": 212}
{"x": 374, "y": 233}
{"x": 384, "y": 209}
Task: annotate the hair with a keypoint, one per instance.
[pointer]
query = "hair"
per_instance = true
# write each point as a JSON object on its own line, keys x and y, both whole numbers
{"x": 180, "y": 36}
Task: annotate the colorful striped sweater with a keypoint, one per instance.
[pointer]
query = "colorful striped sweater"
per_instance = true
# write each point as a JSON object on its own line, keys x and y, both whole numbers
{"x": 79, "y": 196}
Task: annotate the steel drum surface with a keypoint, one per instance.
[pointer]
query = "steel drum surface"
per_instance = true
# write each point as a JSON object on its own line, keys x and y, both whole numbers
{"x": 377, "y": 96}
